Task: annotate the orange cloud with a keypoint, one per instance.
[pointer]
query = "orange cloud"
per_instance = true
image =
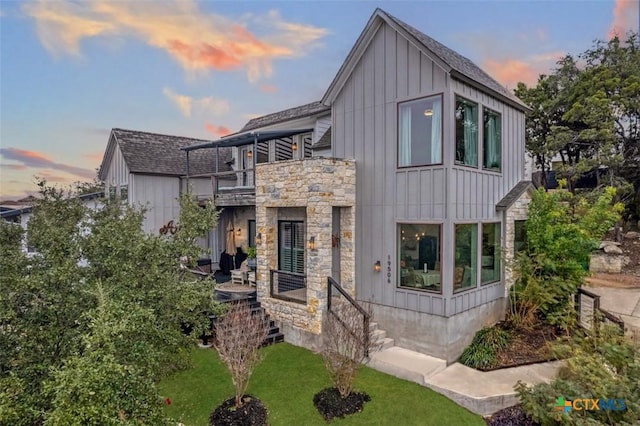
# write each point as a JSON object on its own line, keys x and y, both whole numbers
{"x": 197, "y": 40}
{"x": 626, "y": 17}
{"x": 187, "y": 104}
{"x": 510, "y": 71}
{"x": 217, "y": 130}
{"x": 37, "y": 160}
{"x": 94, "y": 157}
{"x": 269, "y": 88}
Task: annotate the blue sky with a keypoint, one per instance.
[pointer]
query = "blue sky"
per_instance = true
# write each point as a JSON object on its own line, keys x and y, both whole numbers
{"x": 72, "y": 70}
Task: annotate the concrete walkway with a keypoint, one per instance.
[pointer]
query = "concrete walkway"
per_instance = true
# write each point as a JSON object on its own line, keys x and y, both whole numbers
{"x": 624, "y": 303}
{"x": 483, "y": 393}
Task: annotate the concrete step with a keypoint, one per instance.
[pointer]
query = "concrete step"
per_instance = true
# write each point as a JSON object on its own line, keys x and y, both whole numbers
{"x": 406, "y": 364}
{"x": 386, "y": 343}
{"x": 378, "y": 335}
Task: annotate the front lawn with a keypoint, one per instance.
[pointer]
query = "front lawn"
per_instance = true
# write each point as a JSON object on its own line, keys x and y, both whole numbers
{"x": 286, "y": 382}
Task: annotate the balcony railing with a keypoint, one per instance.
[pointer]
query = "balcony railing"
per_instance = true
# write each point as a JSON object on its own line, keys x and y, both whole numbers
{"x": 288, "y": 286}
{"x": 245, "y": 181}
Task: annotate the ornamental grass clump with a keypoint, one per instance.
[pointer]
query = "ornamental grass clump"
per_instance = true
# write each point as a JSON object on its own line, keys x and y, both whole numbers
{"x": 483, "y": 351}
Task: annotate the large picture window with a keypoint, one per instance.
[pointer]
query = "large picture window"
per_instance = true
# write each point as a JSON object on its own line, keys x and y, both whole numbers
{"x": 466, "y": 257}
{"x": 492, "y": 146}
{"x": 419, "y": 257}
{"x": 420, "y": 132}
{"x": 490, "y": 267}
{"x": 466, "y": 116}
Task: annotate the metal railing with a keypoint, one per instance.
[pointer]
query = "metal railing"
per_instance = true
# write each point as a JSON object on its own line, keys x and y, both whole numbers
{"x": 288, "y": 286}
{"x": 245, "y": 180}
{"x": 366, "y": 317}
{"x": 590, "y": 313}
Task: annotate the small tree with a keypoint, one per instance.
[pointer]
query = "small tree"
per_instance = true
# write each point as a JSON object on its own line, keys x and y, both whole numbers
{"x": 239, "y": 336}
{"x": 346, "y": 345}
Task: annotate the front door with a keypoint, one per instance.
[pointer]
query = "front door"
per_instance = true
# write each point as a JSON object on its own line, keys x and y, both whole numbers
{"x": 246, "y": 163}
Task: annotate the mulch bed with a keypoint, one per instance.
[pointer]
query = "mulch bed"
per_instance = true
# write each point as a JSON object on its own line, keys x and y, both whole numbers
{"x": 527, "y": 346}
{"x": 331, "y": 405}
{"x": 252, "y": 413}
{"x": 511, "y": 416}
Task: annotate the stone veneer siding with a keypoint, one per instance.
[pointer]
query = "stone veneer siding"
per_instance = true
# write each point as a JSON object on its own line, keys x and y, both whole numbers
{"x": 318, "y": 185}
{"x": 519, "y": 210}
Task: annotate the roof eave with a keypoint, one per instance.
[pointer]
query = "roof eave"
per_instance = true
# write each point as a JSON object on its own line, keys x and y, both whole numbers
{"x": 514, "y": 102}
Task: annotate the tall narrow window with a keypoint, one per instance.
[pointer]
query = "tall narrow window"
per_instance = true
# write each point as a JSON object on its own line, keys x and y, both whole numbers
{"x": 492, "y": 146}
{"x": 419, "y": 257}
{"x": 466, "y": 257}
{"x": 466, "y": 115}
{"x": 291, "y": 246}
{"x": 490, "y": 267}
{"x": 520, "y": 235}
{"x": 252, "y": 233}
{"x": 420, "y": 132}
{"x": 124, "y": 192}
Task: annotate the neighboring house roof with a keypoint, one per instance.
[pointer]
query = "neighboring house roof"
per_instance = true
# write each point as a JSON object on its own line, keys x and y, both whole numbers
{"x": 153, "y": 153}
{"x": 286, "y": 115}
{"x": 324, "y": 141}
{"x": 7, "y": 214}
{"x": 457, "y": 65}
{"x": 514, "y": 194}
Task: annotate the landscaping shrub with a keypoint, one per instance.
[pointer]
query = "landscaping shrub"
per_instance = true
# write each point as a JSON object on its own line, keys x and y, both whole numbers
{"x": 562, "y": 230}
{"x": 482, "y": 353}
{"x": 511, "y": 416}
{"x": 604, "y": 366}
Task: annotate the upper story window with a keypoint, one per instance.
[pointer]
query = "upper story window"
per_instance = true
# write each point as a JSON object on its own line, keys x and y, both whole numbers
{"x": 466, "y": 115}
{"x": 420, "y": 132}
{"x": 492, "y": 144}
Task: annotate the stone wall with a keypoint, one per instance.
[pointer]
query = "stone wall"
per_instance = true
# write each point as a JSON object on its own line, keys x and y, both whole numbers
{"x": 317, "y": 185}
{"x": 519, "y": 210}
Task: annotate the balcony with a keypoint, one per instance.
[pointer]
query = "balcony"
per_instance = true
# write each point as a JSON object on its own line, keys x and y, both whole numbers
{"x": 236, "y": 157}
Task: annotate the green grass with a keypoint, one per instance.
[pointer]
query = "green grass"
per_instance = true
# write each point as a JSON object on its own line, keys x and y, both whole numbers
{"x": 286, "y": 382}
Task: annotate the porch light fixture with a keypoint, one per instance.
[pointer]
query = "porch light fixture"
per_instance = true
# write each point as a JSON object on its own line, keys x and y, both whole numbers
{"x": 311, "y": 245}
{"x": 377, "y": 266}
{"x": 238, "y": 232}
{"x": 294, "y": 146}
{"x": 259, "y": 239}
{"x": 250, "y": 153}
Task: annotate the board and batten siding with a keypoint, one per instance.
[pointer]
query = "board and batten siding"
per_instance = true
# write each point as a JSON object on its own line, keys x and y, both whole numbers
{"x": 159, "y": 194}
{"x": 364, "y": 115}
{"x": 322, "y": 124}
{"x": 118, "y": 172}
{"x": 364, "y": 128}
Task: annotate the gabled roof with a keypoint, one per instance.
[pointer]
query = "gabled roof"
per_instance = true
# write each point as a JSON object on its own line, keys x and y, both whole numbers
{"x": 324, "y": 141}
{"x": 286, "y": 115}
{"x": 452, "y": 62}
{"x": 514, "y": 194}
{"x": 153, "y": 153}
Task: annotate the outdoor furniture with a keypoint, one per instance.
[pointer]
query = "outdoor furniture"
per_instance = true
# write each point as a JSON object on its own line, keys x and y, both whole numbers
{"x": 238, "y": 277}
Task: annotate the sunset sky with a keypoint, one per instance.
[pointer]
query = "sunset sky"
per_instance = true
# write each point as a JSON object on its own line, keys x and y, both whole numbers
{"x": 72, "y": 70}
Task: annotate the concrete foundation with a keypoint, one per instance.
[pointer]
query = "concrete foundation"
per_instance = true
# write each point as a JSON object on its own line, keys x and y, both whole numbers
{"x": 433, "y": 335}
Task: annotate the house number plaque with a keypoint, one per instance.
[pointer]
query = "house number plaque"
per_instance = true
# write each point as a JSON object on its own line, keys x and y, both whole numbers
{"x": 388, "y": 269}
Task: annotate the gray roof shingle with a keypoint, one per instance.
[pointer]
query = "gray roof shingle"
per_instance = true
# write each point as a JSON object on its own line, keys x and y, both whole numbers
{"x": 456, "y": 61}
{"x": 514, "y": 194}
{"x": 286, "y": 115}
{"x": 153, "y": 153}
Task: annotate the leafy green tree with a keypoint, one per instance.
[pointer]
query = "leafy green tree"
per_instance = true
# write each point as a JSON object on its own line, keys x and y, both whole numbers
{"x": 94, "y": 319}
{"x": 588, "y": 112}
{"x": 562, "y": 231}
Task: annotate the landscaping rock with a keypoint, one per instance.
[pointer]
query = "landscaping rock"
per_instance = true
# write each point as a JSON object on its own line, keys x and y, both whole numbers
{"x": 632, "y": 235}
{"x": 609, "y": 264}
{"x": 608, "y": 243}
{"x": 611, "y": 249}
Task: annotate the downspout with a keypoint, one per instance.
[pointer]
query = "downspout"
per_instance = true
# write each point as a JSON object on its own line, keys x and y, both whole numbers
{"x": 255, "y": 156}
{"x": 215, "y": 185}
{"x": 188, "y": 185}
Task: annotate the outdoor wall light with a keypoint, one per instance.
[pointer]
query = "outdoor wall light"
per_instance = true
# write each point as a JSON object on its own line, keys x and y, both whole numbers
{"x": 311, "y": 245}
{"x": 250, "y": 153}
{"x": 259, "y": 239}
{"x": 428, "y": 112}
{"x": 238, "y": 232}
{"x": 377, "y": 266}
{"x": 294, "y": 146}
